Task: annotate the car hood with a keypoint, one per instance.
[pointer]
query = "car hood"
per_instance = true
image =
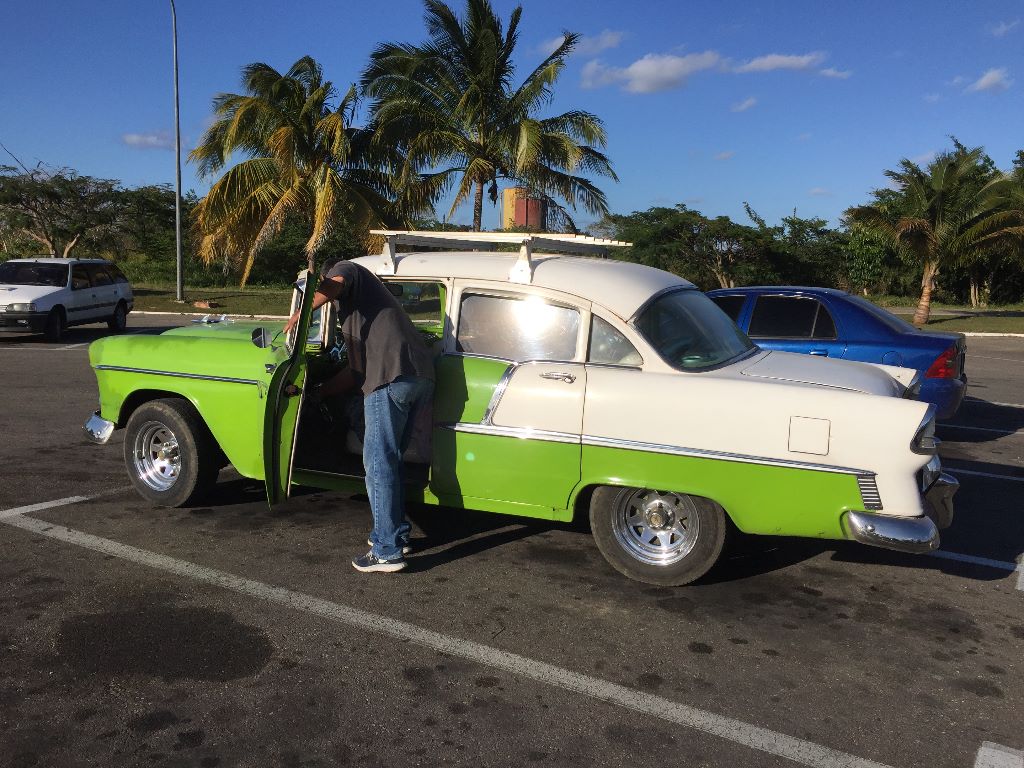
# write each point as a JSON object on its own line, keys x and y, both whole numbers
{"x": 823, "y": 372}
{"x": 240, "y": 330}
{"x": 10, "y": 294}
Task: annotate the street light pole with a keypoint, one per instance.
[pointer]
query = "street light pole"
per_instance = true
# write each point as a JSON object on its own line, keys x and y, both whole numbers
{"x": 180, "y": 297}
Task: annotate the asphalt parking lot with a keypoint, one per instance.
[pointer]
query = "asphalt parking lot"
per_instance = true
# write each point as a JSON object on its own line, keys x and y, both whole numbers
{"x": 230, "y": 635}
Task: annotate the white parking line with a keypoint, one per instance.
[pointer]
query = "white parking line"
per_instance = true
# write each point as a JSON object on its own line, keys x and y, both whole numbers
{"x": 981, "y": 429}
{"x": 6, "y": 513}
{"x": 993, "y": 755}
{"x": 989, "y": 402}
{"x": 791, "y": 748}
{"x": 1002, "y": 565}
{"x": 956, "y": 471}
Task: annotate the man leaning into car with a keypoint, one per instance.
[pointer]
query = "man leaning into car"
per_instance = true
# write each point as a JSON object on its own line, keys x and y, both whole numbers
{"x": 392, "y": 365}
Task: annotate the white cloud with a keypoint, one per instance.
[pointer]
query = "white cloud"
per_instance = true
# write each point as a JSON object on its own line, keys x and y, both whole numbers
{"x": 841, "y": 74}
{"x": 774, "y": 61}
{"x": 650, "y": 74}
{"x": 1003, "y": 27}
{"x": 588, "y": 45}
{"x": 931, "y": 98}
{"x": 958, "y": 80}
{"x": 154, "y": 140}
{"x": 819, "y": 192}
{"x": 744, "y": 105}
{"x": 992, "y": 80}
{"x": 724, "y": 155}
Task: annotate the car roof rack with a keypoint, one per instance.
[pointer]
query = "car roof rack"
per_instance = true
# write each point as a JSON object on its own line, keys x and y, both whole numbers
{"x": 522, "y": 270}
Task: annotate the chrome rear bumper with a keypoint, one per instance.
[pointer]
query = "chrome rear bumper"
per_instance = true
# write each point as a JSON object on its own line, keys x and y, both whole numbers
{"x": 908, "y": 534}
{"x": 98, "y": 429}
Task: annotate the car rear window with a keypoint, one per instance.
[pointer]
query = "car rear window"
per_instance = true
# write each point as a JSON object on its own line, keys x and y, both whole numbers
{"x": 791, "y": 317}
{"x": 99, "y": 275}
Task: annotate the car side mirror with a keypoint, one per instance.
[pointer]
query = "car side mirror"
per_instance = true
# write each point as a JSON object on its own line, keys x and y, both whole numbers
{"x": 261, "y": 338}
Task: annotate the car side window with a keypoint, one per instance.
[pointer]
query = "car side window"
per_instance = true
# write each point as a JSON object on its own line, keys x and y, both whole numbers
{"x": 609, "y": 347}
{"x": 731, "y": 305}
{"x": 79, "y": 278}
{"x": 117, "y": 274}
{"x": 824, "y": 326}
{"x": 98, "y": 275}
{"x": 784, "y": 317}
{"x": 526, "y": 328}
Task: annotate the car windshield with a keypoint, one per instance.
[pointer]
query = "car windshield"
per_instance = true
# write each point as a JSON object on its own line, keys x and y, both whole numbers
{"x": 690, "y": 332}
{"x": 894, "y": 323}
{"x": 31, "y": 273}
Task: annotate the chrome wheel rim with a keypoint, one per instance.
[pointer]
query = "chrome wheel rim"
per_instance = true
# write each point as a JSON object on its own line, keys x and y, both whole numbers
{"x": 656, "y": 527}
{"x": 156, "y": 454}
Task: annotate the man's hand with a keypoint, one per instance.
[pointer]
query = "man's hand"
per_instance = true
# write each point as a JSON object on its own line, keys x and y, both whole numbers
{"x": 291, "y": 323}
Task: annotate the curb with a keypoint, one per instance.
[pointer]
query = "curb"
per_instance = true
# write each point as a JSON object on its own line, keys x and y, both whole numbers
{"x": 996, "y": 335}
{"x": 211, "y": 312}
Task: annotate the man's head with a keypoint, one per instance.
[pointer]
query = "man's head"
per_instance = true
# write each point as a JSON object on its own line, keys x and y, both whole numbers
{"x": 328, "y": 265}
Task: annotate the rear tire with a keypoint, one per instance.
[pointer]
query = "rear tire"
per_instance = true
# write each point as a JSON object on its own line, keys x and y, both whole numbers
{"x": 54, "y": 327}
{"x": 171, "y": 457}
{"x": 657, "y": 537}
{"x": 119, "y": 320}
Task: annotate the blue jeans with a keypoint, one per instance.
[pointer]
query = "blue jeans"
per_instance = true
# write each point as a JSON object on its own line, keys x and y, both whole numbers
{"x": 389, "y": 412}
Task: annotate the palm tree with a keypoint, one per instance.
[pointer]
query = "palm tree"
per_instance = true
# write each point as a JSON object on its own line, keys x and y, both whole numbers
{"x": 304, "y": 159}
{"x": 941, "y": 215}
{"x": 451, "y": 106}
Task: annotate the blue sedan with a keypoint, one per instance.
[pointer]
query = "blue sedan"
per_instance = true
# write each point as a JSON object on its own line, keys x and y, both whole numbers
{"x": 831, "y": 323}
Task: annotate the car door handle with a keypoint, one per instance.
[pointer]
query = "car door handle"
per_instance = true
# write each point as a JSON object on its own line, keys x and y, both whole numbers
{"x": 568, "y": 378}
{"x": 819, "y": 352}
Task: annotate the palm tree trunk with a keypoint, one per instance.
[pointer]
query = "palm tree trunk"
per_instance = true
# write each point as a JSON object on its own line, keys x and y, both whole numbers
{"x": 478, "y": 207}
{"x": 924, "y": 306}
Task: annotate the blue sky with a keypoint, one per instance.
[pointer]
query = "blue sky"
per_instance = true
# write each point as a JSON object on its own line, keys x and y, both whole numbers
{"x": 783, "y": 104}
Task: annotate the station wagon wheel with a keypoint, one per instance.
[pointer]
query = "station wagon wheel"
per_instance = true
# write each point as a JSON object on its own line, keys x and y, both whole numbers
{"x": 658, "y": 537}
{"x": 171, "y": 457}
{"x": 119, "y": 320}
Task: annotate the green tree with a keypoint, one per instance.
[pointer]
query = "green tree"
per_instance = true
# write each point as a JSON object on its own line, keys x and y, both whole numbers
{"x": 57, "y": 209}
{"x": 305, "y": 159}
{"x": 939, "y": 215}
{"x": 450, "y": 104}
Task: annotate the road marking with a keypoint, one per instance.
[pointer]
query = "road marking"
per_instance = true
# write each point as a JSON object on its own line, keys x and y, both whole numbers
{"x": 989, "y": 402}
{"x": 14, "y": 512}
{"x": 980, "y": 429}
{"x": 1004, "y": 359}
{"x": 993, "y": 755}
{"x": 956, "y": 471}
{"x": 791, "y": 748}
{"x": 1002, "y": 565}
{"x": 72, "y": 346}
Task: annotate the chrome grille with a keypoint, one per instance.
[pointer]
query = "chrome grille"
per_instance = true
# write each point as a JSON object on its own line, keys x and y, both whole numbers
{"x": 869, "y": 495}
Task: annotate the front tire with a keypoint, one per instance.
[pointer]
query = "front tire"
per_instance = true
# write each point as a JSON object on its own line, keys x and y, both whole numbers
{"x": 119, "y": 320}
{"x": 657, "y": 537}
{"x": 169, "y": 452}
{"x": 54, "y": 327}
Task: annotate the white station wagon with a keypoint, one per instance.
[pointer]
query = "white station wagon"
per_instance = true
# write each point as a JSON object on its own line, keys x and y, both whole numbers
{"x": 46, "y": 295}
{"x": 566, "y": 385}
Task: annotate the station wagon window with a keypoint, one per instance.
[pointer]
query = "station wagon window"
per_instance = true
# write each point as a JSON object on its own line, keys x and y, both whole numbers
{"x": 609, "y": 347}
{"x": 116, "y": 273}
{"x": 31, "y": 273}
{"x": 690, "y": 332}
{"x": 79, "y": 278}
{"x": 99, "y": 275}
{"x": 791, "y": 317}
{"x": 731, "y": 305}
{"x": 527, "y": 328}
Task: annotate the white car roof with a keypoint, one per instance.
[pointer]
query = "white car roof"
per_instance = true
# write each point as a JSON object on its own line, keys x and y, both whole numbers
{"x": 56, "y": 260}
{"x": 620, "y": 286}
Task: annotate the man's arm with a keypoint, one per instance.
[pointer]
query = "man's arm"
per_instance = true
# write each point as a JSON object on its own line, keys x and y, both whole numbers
{"x": 328, "y": 290}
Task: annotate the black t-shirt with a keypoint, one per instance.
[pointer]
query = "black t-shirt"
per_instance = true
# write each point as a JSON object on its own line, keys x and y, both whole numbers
{"x": 382, "y": 342}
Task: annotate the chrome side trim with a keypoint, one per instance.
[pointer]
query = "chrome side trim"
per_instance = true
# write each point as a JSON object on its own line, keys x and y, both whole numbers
{"x": 198, "y": 376}
{"x": 523, "y": 433}
{"x": 499, "y": 392}
{"x": 98, "y": 429}
{"x": 869, "y": 494}
{"x": 916, "y": 535}
{"x": 700, "y": 453}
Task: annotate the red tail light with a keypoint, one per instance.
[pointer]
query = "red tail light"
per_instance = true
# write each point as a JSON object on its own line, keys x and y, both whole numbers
{"x": 944, "y": 366}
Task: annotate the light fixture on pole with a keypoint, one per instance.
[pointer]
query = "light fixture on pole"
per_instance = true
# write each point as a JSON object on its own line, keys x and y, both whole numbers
{"x": 180, "y": 294}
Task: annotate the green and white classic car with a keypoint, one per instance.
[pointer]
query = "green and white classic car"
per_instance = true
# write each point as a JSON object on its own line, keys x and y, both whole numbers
{"x": 567, "y": 385}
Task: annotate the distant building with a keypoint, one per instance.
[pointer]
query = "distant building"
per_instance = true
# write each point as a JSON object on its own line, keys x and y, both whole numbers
{"x": 521, "y": 211}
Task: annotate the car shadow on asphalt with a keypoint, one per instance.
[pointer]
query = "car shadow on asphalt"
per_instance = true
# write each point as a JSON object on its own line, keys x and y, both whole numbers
{"x": 988, "y": 422}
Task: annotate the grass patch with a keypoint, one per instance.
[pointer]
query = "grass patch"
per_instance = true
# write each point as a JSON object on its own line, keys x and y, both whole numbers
{"x": 1002, "y": 322}
{"x": 231, "y": 301}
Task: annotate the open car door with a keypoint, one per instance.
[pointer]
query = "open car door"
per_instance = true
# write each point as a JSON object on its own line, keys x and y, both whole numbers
{"x": 284, "y": 399}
